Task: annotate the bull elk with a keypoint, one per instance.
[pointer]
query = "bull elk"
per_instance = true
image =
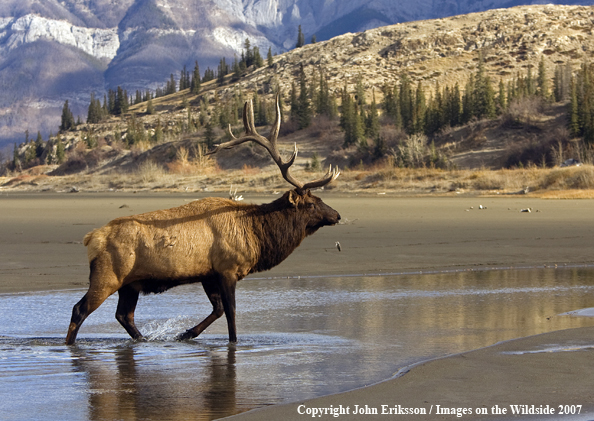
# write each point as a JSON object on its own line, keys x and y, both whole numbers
{"x": 214, "y": 241}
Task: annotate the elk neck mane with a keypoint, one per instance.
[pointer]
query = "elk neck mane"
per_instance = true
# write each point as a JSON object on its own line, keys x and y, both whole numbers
{"x": 279, "y": 229}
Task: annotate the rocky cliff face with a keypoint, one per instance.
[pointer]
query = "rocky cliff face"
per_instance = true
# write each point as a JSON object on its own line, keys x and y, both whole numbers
{"x": 102, "y": 44}
{"x": 53, "y": 50}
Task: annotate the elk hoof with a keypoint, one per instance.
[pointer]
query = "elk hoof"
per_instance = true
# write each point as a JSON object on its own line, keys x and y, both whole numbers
{"x": 187, "y": 335}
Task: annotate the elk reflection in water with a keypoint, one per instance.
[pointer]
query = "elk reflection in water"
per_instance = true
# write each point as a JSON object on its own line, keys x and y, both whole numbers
{"x": 126, "y": 387}
{"x": 309, "y": 337}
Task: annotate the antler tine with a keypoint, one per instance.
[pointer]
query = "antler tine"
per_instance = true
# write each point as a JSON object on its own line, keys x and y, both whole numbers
{"x": 331, "y": 175}
{"x": 270, "y": 145}
{"x": 250, "y": 132}
{"x": 277, "y": 122}
{"x": 248, "y": 117}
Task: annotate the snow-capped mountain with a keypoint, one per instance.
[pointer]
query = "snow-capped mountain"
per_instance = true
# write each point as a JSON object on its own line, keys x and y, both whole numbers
{"x": 54, "y": 50}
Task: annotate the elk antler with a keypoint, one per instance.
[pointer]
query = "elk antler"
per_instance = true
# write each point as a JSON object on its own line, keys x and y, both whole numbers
{"x": 270, "y": 145}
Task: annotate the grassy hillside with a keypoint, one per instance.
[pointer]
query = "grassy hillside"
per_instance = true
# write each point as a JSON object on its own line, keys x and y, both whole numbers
{"x": 165, "y": 149}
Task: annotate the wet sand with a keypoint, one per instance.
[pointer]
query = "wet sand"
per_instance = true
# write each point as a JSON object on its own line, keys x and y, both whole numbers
{"x": 41, "y": 235}
{"x": 552, "y": 369}
{"x": 41, "y": 244}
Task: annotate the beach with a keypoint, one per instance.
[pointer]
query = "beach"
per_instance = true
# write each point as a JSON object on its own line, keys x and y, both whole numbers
{"x": 41, "y": 244}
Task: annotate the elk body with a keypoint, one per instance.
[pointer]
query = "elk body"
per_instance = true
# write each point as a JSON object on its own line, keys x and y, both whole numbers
{"x": 214, "y": 241}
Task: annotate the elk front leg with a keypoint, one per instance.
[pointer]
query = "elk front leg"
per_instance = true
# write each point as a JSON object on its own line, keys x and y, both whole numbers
{"x": 227, "y": 285}
{"x": 125, "y": 311}
{"x": 214, "y": 295}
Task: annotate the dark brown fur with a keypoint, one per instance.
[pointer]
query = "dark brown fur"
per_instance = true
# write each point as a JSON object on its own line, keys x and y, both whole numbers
{"x": 214, "y": 241}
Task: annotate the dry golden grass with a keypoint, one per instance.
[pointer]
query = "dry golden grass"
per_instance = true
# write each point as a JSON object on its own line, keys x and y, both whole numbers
{"x": 200, "y": 174}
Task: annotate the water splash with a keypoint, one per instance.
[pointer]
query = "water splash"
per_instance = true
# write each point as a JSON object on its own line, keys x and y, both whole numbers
{"x": 167, "y": 330}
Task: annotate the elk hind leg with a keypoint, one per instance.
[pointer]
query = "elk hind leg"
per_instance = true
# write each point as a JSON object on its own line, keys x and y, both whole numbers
{"x": 214, "y": 295}
{"x": 128, "y": 298}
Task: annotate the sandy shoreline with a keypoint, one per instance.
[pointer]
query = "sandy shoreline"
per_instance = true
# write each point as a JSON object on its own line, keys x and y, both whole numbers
{"x": 41, "y": 235}
{"x": 523, "y": 372}
{"x": 41, "y": 244}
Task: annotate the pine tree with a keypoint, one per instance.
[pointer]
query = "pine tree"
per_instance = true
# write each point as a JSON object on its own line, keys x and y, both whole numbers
{"x": 304, "y": 106}
{"x": 574, "y": 118}
{"x": 530, "y": 85}
{"x": 300, "y": 38}
{"x": 195, "y": 83}
{"x": 468, "y": 104}
{"x": 455, "y": 106}
{"x": 258, "y": 60}
{"x": 60, "y": 153}
{"x": 372, "y": 126}
{"x": 406, "y": 103}
{"x": 95, "y": 112}
{"x": 67, "y": 118}
{"x": 247, "y": 56}
{"x": 543, "y": 88}
{"x": 323, "y": 97}
{"x": 39, "y": 146}
{"x": 209, "y": 136}
{"x": 294, "y": 105}
{"x": 222, "y": 71}
{"x": 360, "y": 91}
{"x": 484, "y": 95}
{"x": 121, "y": 102}
{"x": 419, "y": 110}
{"x": 269, "y": 59}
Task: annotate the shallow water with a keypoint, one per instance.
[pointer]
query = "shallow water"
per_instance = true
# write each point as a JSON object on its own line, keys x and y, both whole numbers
{"x": 298, "y": 338}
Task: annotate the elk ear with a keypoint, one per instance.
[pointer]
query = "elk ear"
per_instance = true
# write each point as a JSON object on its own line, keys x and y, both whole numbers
{"x": 308, "y": 193}
{"x": 294, "y": 198}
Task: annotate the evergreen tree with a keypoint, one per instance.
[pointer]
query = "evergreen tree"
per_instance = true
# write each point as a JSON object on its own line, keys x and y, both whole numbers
{"x": 195, "y": 83}
{"x": 304, "y": 107}
{"x": 39, "y": 146}
{"x": 209, "y": 136}
{"x": 121, "y": 102}
{"x": 323, "y": 97}
{"x": 350, "y": 120}
{"x": 372, "y": 126}
{"x": 531, "y": 84}
{"x": 314, "y": 39}
{"x": 269, "y": 59}
{"x": 95, "y": 111}
{"x": 222, "y": 71}
{"x": 419, "y": 110}
{"x": 406, "y": 103}
{"x": 468, "y": 101}
{"x": 455, "y": 107}
{"x": 294, "y": 105}
{"x": 60, "y": 153}
{"x": 574, "y": 118}
{"x": 248, "y": 57}
{"x": 208, "y": 75}
{"x": 67, "y": 118}
{"x": 258, "y": 60}
{"x": 484, "y": 96}
{"x": 360, "y": 91}
{"x": 542, "y": 82}
{"x": 300, "y": 38}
